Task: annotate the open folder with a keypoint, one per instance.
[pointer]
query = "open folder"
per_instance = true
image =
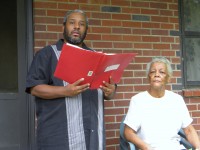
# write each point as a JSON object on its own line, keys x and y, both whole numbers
{"x": 95, "y": 67}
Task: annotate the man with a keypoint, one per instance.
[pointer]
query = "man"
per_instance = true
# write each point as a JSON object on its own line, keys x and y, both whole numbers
{"x": 69, "y": 116}
{"x": 155, "y": 116}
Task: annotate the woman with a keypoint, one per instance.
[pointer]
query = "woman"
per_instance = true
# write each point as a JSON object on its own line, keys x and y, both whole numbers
{"x": 155, "y": 116}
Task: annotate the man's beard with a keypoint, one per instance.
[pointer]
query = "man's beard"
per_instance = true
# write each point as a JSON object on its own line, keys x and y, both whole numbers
{"x": 75, "y": 41}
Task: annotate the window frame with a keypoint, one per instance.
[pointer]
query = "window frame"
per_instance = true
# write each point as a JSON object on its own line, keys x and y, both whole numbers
{"x": 183, "y": 35}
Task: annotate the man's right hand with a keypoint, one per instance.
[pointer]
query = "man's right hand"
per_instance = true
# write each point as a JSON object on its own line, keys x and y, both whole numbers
{"x": 75, "y": 88}
{"x": 51, "y": 92}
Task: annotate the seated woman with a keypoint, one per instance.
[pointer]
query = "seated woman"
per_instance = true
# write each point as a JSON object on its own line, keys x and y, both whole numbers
{"x": 155, "y": 116}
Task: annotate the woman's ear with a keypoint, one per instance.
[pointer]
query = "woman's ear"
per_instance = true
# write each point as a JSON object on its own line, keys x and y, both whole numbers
{"x": 148, "y": 77}
{"x": 168, "y": 79}
{"x": 63, "y": 27}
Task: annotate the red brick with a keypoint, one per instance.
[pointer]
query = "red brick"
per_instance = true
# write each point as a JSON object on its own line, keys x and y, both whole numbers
{"x": 140, "y": 4}
{"x": 195, "y": 114}
{"x": 151, "y": 39}
{"x": 109, "y": 118}
{"x": 121, "y": 16}
{"x": 130, "y": 10}
{"x": 121, "y": 103}
{"x": 100, "y": 30}
{"x": 160, "y": 32}
{"x": 121, "y": 30}
{"x": 141, "y": 88}
{"x": 93, "y": 22}
{"x": 91, "y": 36}
{"x": 158, "y": 5}
{"x": 111, "y": 23}
{"x": 141, "y": 31}
{"x": 173, "y": 6}
{"x": 174, "y": 20}
{"x": 175, "y": 46}
{"x": 168, "y": 53}
{"x": 150, "y": 11}
{"x": 110, "y": 134}
{"x": 166, "y": 12}
{"x": 55, "y": 13}
{"x": 161, "y": 46}
{"x": 102, "y": 44}
{"x": 45, "y": 20}
{"x": 65, "y": 6}
{"x": 40, "y": 28}
{"x": 39, "y": 12}
{"x": 167, "y": 39}
{"x": 132, "y": 38}
{"x": 122, "y": 45}
{"x": 132, "y": 24}
{"x": 40, "y": 43}
{"x": 54, "y": 28}
{"x": 167, "y": 26}
{"x": 112, "y": 141}
{"x": 151, "y": 53}
{"x": 125, "y": 88}
{"x": 159, "y": 19}
{"x": 46, "y": 35}
{"x": 109, "y": 103}
{"x": 98, "y": 15}
{"x": 192, "y": 107}
{"x": 45, "y": 5}
{"x": 88, "y": 8}
{"x": 150, "y": 25}
{"x": 120, "y": 3}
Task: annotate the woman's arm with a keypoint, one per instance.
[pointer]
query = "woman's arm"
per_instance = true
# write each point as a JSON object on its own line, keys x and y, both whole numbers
{"x": 132, "y": 137}
{"x": 192, "y": 136}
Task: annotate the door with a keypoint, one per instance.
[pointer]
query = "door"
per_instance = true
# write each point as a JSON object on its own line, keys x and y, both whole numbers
{"x": 16, "y": 117}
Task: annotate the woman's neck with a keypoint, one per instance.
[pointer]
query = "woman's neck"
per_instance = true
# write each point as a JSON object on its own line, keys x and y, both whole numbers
{"x": 157, "y": 93}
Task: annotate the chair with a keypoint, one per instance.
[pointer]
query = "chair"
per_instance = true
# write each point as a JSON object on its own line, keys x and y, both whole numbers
{"x": 125, "y": 145}
{"x": 184, "y": 141}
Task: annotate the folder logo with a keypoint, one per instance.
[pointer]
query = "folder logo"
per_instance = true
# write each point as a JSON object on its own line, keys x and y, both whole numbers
{"x": 112, "y": 67}
{"x": 90, "y": 73}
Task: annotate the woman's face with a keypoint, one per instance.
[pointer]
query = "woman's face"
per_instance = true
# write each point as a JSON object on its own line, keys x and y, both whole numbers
{"x": 158, "y": 75}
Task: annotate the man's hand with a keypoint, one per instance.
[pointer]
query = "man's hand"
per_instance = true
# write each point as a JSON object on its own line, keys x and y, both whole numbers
{"x": 75, "y": 88}
{"x": 108, "y": 89}
{"x": 51, "y": 92}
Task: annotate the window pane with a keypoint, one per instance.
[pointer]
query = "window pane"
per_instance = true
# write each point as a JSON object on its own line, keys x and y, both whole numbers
{"x": 192, "y": 46}
{"x": 191, "y": 15}
{"x": 8, "y": 52}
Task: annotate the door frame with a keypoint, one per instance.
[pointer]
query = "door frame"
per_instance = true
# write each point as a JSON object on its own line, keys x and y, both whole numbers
{"x": 25, "y": 56}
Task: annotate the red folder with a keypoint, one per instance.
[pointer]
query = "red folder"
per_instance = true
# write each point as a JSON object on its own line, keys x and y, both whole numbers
{"x": 95, "y": 67}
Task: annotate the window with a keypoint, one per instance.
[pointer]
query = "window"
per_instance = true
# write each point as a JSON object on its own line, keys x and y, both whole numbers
{"x": 190, "y": 40}
{"x": 8, "y": 52}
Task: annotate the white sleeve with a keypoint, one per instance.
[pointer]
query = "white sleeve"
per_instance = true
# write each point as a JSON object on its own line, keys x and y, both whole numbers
{"x": 186, "y": 118}
{"x": 133, "y": 116}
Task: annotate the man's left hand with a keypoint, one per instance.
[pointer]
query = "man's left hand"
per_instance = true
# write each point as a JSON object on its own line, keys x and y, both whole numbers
{"x": 109, "y": 89}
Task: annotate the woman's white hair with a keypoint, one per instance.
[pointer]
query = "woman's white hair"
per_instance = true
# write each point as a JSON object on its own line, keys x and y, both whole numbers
{"x": 163, "y": 60}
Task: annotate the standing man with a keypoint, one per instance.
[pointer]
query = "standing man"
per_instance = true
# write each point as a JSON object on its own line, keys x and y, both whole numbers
{"x": 69, "y": 116}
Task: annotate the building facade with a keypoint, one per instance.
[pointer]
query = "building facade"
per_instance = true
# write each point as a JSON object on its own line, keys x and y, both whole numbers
{"x": 146, "y": 27}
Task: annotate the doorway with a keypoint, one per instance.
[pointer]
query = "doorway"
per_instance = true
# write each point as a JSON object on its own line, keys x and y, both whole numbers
{"x": 16, "y": 107}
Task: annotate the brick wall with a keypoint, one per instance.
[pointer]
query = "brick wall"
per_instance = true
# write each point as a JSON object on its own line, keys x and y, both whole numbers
{"x": 146, "y": 27}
